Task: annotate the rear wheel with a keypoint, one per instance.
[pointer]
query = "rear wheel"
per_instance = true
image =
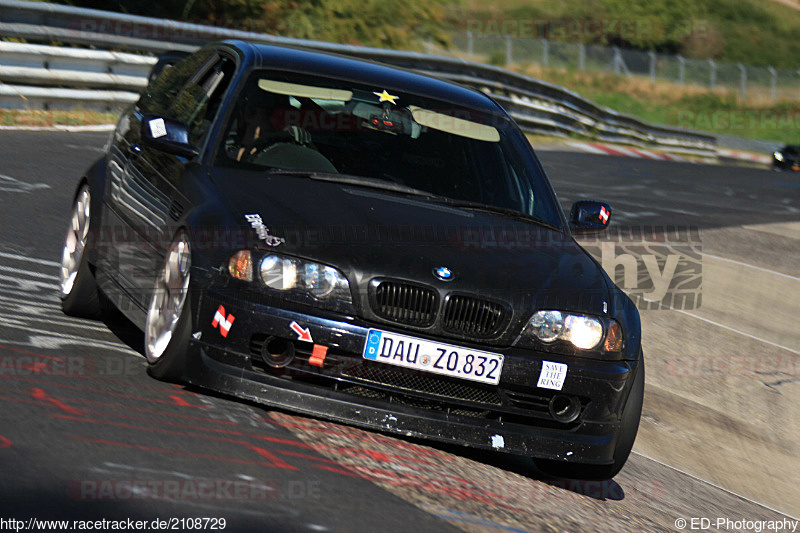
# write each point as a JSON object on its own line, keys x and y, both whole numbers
{"x": 79, "y": 293}
{"x": 168, "y": 324}
{"x": 631, "y": 414}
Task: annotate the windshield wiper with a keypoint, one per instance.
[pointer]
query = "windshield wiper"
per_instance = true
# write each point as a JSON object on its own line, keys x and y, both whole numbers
{"x": 496, "y": 210}
{"x": 349, "y": 179}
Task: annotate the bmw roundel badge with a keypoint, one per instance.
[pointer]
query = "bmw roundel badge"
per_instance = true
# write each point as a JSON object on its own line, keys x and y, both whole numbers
{"x": 443, "y": 273}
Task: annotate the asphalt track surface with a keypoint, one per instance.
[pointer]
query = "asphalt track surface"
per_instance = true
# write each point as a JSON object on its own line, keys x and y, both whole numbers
{"x": 85, "y": 434}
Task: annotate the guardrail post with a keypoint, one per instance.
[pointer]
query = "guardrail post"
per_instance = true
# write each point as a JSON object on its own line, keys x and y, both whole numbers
{"x": 742, "y": 81}
{"x": 619, "y": 63}
{"x": 652, "y": 66}
{"x": 773, "y": 83}
{"x": 508, "y": 50}
{"x": 470, "y": 43}
{"x": 545, "y": 53}
{"x": 581, "y": 56}
{"x": 712, "y": 74}
{"x": 681, "y": 69}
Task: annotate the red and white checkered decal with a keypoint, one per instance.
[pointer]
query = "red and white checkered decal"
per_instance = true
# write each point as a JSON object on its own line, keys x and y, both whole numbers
{"x": 223, "y": 322}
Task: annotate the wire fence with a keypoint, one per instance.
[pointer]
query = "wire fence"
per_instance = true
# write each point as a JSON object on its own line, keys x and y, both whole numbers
{"x": 748, "y": 82}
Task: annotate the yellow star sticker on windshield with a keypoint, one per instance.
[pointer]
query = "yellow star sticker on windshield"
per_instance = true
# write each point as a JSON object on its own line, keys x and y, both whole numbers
{"x": 386, "y": 97}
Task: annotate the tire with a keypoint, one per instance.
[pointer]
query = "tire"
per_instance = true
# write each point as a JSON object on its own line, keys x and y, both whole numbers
{"x": 631, "y": 414}
{"x": 79, "y": 293}
{"x": 169, "y": 324}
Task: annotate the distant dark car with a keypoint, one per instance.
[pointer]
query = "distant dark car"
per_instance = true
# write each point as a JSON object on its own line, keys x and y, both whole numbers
{"x": 360, "y": 243}
{"x": 787, "y": 158}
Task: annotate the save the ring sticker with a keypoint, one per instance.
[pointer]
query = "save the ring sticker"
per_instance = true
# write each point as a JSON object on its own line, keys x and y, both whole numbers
{"x": 552, "y": 375}
{"x": 157, "y": 128}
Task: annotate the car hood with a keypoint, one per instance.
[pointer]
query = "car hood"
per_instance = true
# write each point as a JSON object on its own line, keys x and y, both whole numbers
{"x": 371, "y": 233}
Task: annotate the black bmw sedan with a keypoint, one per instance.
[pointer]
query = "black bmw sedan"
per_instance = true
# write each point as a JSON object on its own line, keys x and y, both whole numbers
{"x": 359, "y": 243}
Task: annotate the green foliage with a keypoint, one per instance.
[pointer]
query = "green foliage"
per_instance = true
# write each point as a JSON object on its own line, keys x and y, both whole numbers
{"x": 739, "y": 12}
{"x": 498, "y": 58}
{"x": 189, "y": 10}
{"x": 398, "y": 24}
{"x": 754, "y": 32}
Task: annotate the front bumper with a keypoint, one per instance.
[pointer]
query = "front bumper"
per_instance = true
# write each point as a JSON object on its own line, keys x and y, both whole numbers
{"x": 512, "y": 417}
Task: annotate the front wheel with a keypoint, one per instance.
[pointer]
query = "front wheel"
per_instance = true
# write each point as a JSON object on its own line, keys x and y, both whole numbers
{"x": 168, "y": 323}
{"x": 629, "y": 426}
{"x": 79, "y": 293}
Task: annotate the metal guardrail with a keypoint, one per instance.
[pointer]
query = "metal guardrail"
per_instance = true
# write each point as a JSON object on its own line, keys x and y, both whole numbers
{"x": 37, "y": 76}
{"x": 27, "y": 97}
{"x": 537, "y": 106}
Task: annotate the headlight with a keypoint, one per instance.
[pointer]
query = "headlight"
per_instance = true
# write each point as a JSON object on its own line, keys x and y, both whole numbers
{"x": 778, "y": 156}
{"x": 279, "y": 272}
{"x": 547, "y": 325}
{"x": 584, "y": 332}
{"x": 320, "y": 281}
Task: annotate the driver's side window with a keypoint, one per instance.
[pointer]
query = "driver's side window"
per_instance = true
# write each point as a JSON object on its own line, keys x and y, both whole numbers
{"x": 200, "y": 98}
{"x": 161, "y": 92}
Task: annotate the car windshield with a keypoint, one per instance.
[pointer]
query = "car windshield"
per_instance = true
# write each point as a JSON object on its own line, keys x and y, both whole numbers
{"x": 312, "y": 126}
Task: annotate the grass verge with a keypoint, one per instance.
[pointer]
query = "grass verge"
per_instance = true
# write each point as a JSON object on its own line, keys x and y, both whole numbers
{"x": 685, "y": 106}
{"x": 41, "y": 118}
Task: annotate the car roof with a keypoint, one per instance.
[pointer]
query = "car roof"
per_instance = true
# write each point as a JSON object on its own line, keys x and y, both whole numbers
{"x": 362, "y": 71}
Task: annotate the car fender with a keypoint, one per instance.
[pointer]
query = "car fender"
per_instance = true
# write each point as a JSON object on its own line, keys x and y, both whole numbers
{"x": 95, "y": 177}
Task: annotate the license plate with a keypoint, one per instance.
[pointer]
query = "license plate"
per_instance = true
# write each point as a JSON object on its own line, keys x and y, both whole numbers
{"x": 435, "y": 357}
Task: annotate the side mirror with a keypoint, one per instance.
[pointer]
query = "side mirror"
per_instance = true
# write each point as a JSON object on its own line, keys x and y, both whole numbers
{"x": 168, "y": 135}
{"x": 588, "y": 216}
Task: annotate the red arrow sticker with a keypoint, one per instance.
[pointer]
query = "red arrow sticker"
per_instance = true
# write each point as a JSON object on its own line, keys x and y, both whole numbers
{"x": 303, "y": 334}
